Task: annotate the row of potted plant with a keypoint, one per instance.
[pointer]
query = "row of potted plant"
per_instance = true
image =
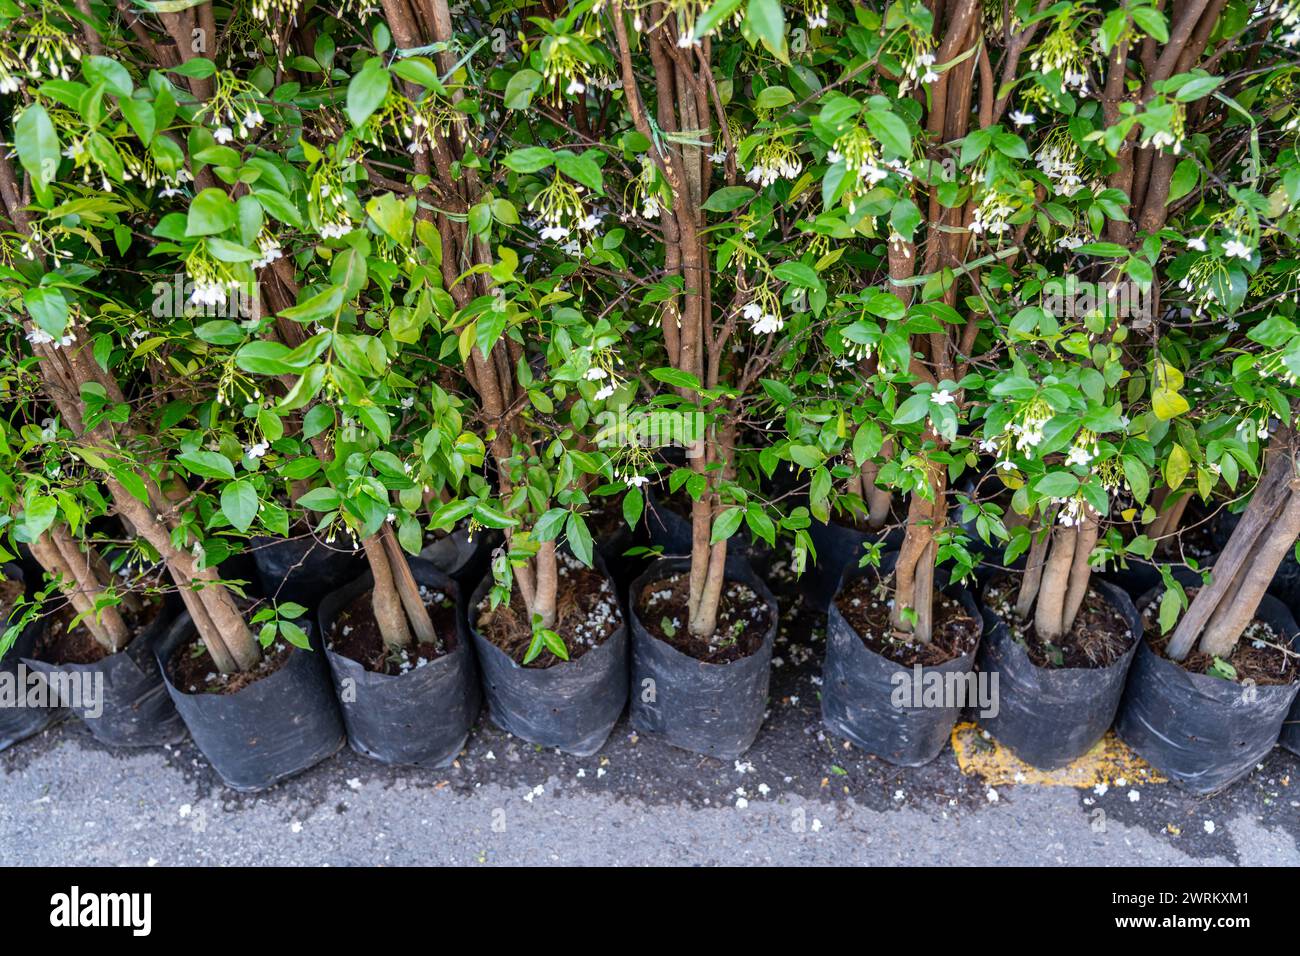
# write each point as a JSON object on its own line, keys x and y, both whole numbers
{"x": 992, "y": 281}
{"x": 1054, "y": 699}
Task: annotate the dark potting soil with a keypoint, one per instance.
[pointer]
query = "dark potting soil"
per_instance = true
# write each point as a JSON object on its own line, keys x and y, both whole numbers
{"x": 1100, "y": 635}
{"x": 743, "y": 619}
{"x": 356, "y": 635}
{"x": 1258, "y": 655}
{"x": 864, "y": 602}
{"x": 586, "y": 613}
{"x": 59, "y": 646}
{"x": 192, "y": 670}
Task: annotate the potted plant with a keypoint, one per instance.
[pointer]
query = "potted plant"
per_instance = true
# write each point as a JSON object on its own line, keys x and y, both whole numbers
{"x": 172, "y": 479}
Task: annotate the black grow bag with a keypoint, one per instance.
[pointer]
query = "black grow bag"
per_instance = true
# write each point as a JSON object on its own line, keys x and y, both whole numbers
{"x": 271, "y": 729}
{"x": 839, "y": 549}
{"x": 134, "y": 708}
{"x": 571, "y": 705}
{"x": 461, "y": 555}
{"x": 421, "y": 717}
{"x": 1049, "y": 716}
{"x": 671, "y": 533}
{"x": 303, "y": 569}
{"x": 1202, "y": 732}
{"x": 1135, "y": 578}
{"x": 712, "y": 709}
{"x": 858, "y": 687}
{"x": 1289, "y": 739}
{"x": 20, "y": 722}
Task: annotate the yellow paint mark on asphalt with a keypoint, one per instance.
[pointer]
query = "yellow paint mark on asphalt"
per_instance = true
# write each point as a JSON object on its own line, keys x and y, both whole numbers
{"x": 1111, "y": 760}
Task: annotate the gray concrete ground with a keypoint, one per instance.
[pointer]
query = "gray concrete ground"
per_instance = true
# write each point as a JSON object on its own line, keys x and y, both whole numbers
{"x": 64, "y": 799}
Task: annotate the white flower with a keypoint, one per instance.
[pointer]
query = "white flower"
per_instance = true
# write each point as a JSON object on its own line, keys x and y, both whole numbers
{"x": 1021, "y": 118}
{"x": 718, "y": 158}
{"x": 1196, "y": 243}
{"x": 636, "y": 481}
{"x": 1078, "y": 456}
{"x": 1237, "y": 248}
{"x": 1208, "y": 826}
{"x": 223, "y": 135}
{"x": 576, "y": 86}
{"x": 554, "y": 232}
{"x": 590, "y": 222}
{"x": 605, "y": 393}
{"x": 257, "y": 450}
{"x": 942, "y": 397}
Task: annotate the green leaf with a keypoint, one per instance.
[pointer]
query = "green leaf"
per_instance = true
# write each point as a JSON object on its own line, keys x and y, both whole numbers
{"x": 320, "y": 499}
{"x": 1152, "y": 23}
{"x": 38, "y": 150}
{"x": 767, "y": 22}
{"x": 530, "y": 159}
{"x": 913, "y": 410}
{"x": 141, "y": 116}
{"x": 295, "y": 635}
{"x": 1167, "y": 403}
{"x": 1186, "y": 177}
{"x": 633, "y": 506}
{"x": 239, "y": 503}
{"x": 579, "y": 538}
{"x": 713, "y": 17}
{"x": 1057, "y": 484}
{"x": 39, "y": 513}
{"x": 891, "y": 131}
{"x": 520, "y": 89}
{"x": 582, "y": 169}
{"x": 319, "y": 306}
{"x": 367, "y": 91}
{"x": 48, "y": 309}
{"x": 1177, "y": 466}
{"x": 728, "y": 198}
{"x": 114, "y": 76}
{"x": 207, "y": 464}
{"x": 676, "y": 378}
{"x": 211, "y": 212}
{"x": 726, "y": 524}
{"x": 773, "y": 97}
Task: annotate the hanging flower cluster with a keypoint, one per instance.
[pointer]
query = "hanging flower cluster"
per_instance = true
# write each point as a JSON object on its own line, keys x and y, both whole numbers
{"x": 232, "y": 109}
{"x": 993, "y": 211}
{"x": 401, "y": 123}
{"x": 329, "y": 199}
{"x": 1060, "y": 52}
{"x": 45, "y": 51}
{"x": 1058, "y": 159}
{"x": 918, "y": 60}
{"x": 816, "y": 13}
{"x": 773, "y": 160}
{"x": 645, "y": 191}
{"x": 763, "y": 312}
{"x": 561, "y": 211}
{"x": 856, "y": 148}
{"x": 1171, "y": 137}
{"x": 1084, "y": 449}
{"x": 213, "y": 281}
